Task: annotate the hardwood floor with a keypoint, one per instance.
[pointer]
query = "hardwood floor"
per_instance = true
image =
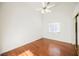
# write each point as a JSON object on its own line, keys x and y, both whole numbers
{"x": 43, "y": 47}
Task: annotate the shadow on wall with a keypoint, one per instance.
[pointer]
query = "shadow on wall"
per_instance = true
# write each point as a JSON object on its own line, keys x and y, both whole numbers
{"x": 0, "y": 29}
{"x": 0, "y": 37}
{"x": 0, "y": 34}
{"x": 0, "y": 41}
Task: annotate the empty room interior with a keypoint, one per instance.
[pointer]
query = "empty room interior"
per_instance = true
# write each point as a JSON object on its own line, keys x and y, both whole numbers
{"x": 39, "y": 28}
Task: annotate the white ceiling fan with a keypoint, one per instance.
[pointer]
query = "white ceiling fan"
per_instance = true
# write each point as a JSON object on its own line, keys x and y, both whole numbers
{"x": 46, "y": 7}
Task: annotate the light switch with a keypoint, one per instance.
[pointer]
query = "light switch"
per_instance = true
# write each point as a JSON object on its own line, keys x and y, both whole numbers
{"x": 54, "y": 27}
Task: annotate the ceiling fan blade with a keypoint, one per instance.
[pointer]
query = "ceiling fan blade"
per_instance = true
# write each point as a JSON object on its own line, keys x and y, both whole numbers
{"x": 39, "y": 9}
{"x": 43, "y": 4}
{"x": 50, "y": 6}
{"x": 47, "y": 11}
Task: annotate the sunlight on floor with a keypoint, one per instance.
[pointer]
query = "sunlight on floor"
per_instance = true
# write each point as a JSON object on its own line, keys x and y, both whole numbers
{"x": 26, "y": 53}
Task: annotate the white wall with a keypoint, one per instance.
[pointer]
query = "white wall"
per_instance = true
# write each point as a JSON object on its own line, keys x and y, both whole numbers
{"x": 0, "y": 28}
{"x": 21, "y": 24}
{"x": 63, "y": 14}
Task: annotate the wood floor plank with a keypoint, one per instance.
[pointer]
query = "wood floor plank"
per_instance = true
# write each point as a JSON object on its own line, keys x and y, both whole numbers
{"x": 43, "y": 47}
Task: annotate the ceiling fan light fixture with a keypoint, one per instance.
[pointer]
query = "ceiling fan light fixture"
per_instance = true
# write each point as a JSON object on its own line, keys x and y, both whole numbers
{"x": 43, "y": 11}
{"x": 46, "y": 6}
